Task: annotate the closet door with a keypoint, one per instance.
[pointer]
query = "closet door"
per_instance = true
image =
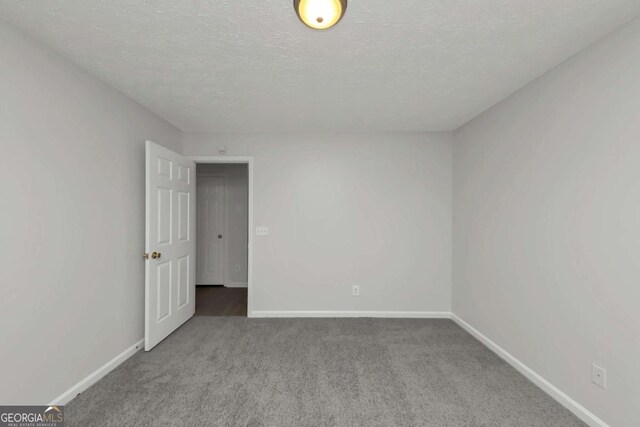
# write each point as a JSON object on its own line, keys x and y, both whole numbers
{"x": 210, "y": 240}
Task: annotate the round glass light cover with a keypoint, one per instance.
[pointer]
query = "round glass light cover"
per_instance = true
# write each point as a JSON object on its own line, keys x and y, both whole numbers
{"x": 320, "y": 14}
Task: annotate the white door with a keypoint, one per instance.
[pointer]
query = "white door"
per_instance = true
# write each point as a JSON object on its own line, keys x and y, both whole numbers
{"x": 170, "y": 243}
{"x": 210, "y": 208}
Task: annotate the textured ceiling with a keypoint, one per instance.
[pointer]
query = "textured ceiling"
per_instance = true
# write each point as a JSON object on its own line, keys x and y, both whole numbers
{"x": 251, "y": 66}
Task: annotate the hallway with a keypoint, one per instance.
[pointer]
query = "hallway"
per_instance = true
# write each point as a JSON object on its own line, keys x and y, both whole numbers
{"x": 221, "y": 301}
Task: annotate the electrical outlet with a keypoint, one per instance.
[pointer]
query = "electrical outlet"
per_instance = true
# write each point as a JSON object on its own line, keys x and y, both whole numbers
{"x": 355, "y": 290}
{"x": 262, "y": 231}
{"x": 599, "y": 376}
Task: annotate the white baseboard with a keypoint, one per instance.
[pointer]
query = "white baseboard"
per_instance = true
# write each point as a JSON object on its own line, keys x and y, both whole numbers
{"x": 553, "y": 391}
{"x": 235, "y": 285}
{"x": 229, "y": 285}
{"x": 379, "y": 314}
{"x": 97, "y": 375}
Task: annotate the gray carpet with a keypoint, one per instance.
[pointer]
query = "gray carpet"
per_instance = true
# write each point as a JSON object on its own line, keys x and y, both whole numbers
{"x": 217, "y": 371}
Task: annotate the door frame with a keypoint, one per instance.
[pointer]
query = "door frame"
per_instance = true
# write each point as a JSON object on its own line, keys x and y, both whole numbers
{"x": 246, "y": 160}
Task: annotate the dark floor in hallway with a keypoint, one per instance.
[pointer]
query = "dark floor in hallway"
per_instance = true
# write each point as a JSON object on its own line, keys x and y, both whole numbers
{"x": 221, "y": 301}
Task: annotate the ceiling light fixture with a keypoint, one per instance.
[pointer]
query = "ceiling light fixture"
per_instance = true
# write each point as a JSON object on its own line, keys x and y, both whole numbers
{"x": 320, "y": 14}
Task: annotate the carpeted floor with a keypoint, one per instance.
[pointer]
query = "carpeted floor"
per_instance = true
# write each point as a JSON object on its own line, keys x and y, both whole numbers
{"x": 233, "y": 371}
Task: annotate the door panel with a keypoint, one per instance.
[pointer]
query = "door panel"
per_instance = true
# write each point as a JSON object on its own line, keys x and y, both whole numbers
{"x": 164, "y": 216}
{"x": 183, "y": 216}
{"x": 183, "y": 281}
{"x": 163, "y": 290}
{"x": 170, "y": 231}
{"x": 210, "y": 205}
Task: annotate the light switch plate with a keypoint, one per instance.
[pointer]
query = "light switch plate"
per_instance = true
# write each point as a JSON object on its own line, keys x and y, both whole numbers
{"x": 262, "y": 231}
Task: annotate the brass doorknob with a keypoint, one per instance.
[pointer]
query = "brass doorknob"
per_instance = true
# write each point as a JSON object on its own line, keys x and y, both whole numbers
{"x": 153, "y": 255}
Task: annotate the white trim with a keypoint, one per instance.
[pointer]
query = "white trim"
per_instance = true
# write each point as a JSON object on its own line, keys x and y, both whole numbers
{"x": 221, "y": 159}
{"x": 379, "y": 314}
{"x": 231, "y": 284}
{"x": 580, "y": 411}
{"x": 97, "y": 375}
{"x": 249, "y": 162}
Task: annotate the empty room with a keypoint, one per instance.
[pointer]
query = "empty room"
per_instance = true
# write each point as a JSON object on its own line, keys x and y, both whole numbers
{"x": 320, "y": 213}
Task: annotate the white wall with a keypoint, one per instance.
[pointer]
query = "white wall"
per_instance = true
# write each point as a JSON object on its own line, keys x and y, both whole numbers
{"x": 546, "y": 222}
{"x": 547, "y": 225}
{"x": 72, "y": 220}
{"x": 236, "y": 213}
{"x": 372, "y": 210}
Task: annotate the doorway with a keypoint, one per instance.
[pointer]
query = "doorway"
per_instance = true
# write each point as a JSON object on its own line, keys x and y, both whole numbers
{"x": 222, "y": 239}
{"x": 171, "y": 238}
